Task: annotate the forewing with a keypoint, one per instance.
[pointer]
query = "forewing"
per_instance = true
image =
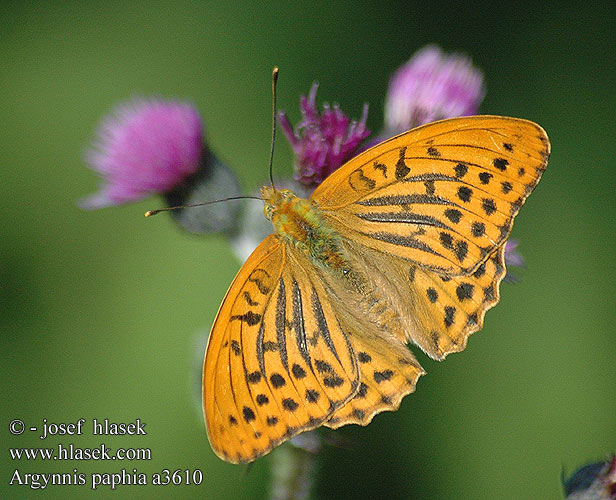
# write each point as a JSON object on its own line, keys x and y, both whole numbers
{"x": 443, "y": 195}
{"x": 278, "y": 362}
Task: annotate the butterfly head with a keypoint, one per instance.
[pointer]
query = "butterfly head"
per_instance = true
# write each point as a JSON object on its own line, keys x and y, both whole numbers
{"x": 294, "y": 219}
{"x": 274, "y": 199}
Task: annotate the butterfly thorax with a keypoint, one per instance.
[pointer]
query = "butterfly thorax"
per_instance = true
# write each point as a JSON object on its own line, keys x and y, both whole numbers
{"x": 298, "y": 222}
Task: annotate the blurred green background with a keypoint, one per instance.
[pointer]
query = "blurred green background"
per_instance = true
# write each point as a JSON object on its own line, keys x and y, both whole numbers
{"x": 104, "y": 314}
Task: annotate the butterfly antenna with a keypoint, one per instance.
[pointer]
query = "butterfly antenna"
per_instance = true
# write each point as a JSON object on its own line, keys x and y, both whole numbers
{"x": 271, "y": 161}
{"x": 149, "y": 213}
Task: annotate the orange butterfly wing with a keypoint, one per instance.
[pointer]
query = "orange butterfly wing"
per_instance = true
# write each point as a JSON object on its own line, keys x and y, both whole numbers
{"x": 443, "y": 195}
{"x": 277, "y": 361}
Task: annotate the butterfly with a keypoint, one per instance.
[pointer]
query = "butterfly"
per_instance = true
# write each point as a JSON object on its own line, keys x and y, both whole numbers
{"x": 402, "y": 244}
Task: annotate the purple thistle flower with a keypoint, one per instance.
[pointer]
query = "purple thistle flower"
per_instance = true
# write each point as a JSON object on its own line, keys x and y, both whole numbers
{"x": 610, "y": 480}
{"x": 322, "y": 142}
{"x": 512, "y": 255}
{"x": 144, "y": 147}
{"x": 432, "y": 86}
{"x": 596, "y": 481}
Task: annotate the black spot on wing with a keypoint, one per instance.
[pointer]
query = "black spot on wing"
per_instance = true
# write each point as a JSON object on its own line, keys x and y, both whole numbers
{"x": 488, "y": 205}
{"x": 464, "y": 291}
{"x": 290, "y": 404}
{"x": 235, "y": 347}
{"x": 465, "y": 193}
{"x": 298, "y": 371}
{"x": 506, "y": 187}
{"x": 446, "y": 240}
{"x": 364, "y": 357}
{"x": 478, "y": 229}
{"x": 358, "y": 177}
{"x": 312, "y": 396}
{"x": 434, "y": 335}
{"x": 277, "y": 380}
{"x": 262, "y": 399}
{"x": 270, "y": 346}
{"x": 489, "y": 294}
{"x": 500, "y": 163}
{"x": 323, "y": 366}
{"x": 450, "y": 313}
{"x": 460, "y": 170}
{"x": 401, "y": 169}
{"x": 484, "y": 177}
{"x": 248, "y": 413}
{"x": 381, "y": 376}
{"x": 412, "y": 270}
{"x": 382, "y": 167}
{"x": 254, "y": 278}
{"x": 461, "y": 250}
{"x": 254, "y": 377}
{"x": 453, "y": 215}
{"x": 370, "y": 183}
{"x": 249, "y": 318}
{"x": 333, "y": 381}
{"x": 359, "y": 414}
{"x": 248, "y": 299}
